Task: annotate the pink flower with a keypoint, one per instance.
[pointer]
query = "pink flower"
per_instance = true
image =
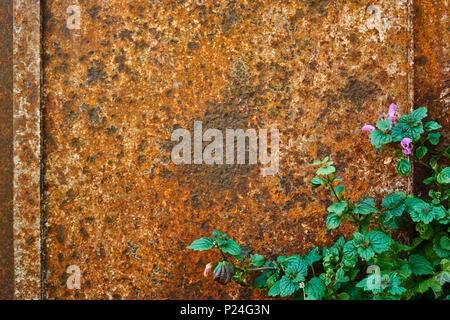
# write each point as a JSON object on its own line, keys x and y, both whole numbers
{"x": 405, "y": 145}
{"x": 207, "y": 270}
{"x": 368, "y": 127}
{"x": 392, "y": 112}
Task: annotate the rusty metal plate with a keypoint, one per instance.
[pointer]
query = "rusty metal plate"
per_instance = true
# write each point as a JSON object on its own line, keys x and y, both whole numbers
{"x": 118, "y": 84}
{"x": 6, "y": 153}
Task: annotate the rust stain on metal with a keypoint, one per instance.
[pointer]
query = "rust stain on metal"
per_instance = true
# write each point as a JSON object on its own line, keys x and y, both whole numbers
{"x": 6, "y": 153}
{"x": 26, "y": 144}
{"x": 432, "y": 67}
{"x": 115, "y": 90}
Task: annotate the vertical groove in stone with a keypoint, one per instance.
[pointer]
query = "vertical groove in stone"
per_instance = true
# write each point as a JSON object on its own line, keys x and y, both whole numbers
{"x": 26, "y": 145}
{"x": 6, "y": 153}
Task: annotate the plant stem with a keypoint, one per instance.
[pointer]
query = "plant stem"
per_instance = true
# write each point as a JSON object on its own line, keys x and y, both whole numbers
{"x": 261, "y": 268}
{"x": 332, "y": 189}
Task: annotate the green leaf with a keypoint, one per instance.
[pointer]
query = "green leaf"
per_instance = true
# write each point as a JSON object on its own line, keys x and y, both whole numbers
{"x": 275, "y": 290}
{"x": 426, "y": 213}
{"x": 219, "y": 235}
{"x": 444, "y": 176}
{"x": 339, "y": 189}
{"x": 312, "y": 256}
{"x": 440, "y": 250}
{"x": 365, "y": 206}
{"x": 407, "y": 128}
{"x": 393, "y": 200}
{"x": 245, "y": 253}
{"x": 384, "y": 125}
{"x": 341, "y": 277}
{"x": 421, "y": 152}
{"x": 257, "y": 260}
{"x": 419, "y": 114}
{"x": 326, "y": 171}
{"x": 379, "y": 138}
{"x": 419, "y": 265}
{"x": 445, "y": 243}
{"x": 404, "y": 167}
{"x": 366, "y": 253}
{"x": 343, "y": 296}
{"x": 316, "y": 182}
{"x": 287, "y": 287}
{"x": 296, "y": 264}
{"x": 338, "y": 207}
{"x": 201, "y": 244}
{"x": 432, "y": 125}
{"x": 429, "y": 180}
{"x": 434, "y": 137}
{"x": 315, "y": 289}
{"x": 231, "y": 247}
{"x": 349, "y": 254}
{"x": 333, "y": 221}
{"x": 379, "y": 241}
{"x": 260, "y": 282}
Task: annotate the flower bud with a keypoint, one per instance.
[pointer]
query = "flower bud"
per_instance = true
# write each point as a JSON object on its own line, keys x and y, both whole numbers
{"x": 207, "y": 270}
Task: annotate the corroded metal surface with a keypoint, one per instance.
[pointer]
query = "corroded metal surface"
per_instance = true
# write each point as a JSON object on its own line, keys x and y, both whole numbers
{"x": 432, "y": 58}
{"x": 26, "y": 144}
{"x": 136, "y": 70}
{"x": 6, "y": 152}
{"x": 432, "y": 67}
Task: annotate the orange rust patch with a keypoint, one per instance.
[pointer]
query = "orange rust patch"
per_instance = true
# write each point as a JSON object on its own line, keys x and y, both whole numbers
{"x": 116, "y": 89}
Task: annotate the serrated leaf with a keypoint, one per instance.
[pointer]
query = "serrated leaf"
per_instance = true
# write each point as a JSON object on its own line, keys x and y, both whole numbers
{"x": 425, "y": 212}
{"x": 445, "y": 243}
{"x": 379, "y": 241}
{"x": 274, "y": 290}
{"x": 287, "y": 287}
{"x": 365, "y": 206}
{"x": 407, "y": 128}
{"x": 340, "y": 276}
{"x": 231, "y": 247}
{"x": 333, "y": 221}
{"x": 421, "y": 152}
{"x": 201, "y": 244}
{"x": 312, "y": 256}
{"x": 315, "y": 289}
{"x": 434, "y": 137}
{"x": 444, "y": 176}
{"x": 419, "y": 265}
{"x": 393, "y": 200}
{"x": 419, "y": 114}
{"x": 437, "y": 248}
{"x": 404, "y": 167}
{"x": 379, "y": 138}
{"x": 366, "y": 253}
{"x": 296, "y": 264}
{"x": 432, "y": 125}
{"x": 338, "y": 207}
{"x": 384, "y": 125}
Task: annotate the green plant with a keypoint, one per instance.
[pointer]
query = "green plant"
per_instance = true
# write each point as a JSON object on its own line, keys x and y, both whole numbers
{"x": 371, "y": 264}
